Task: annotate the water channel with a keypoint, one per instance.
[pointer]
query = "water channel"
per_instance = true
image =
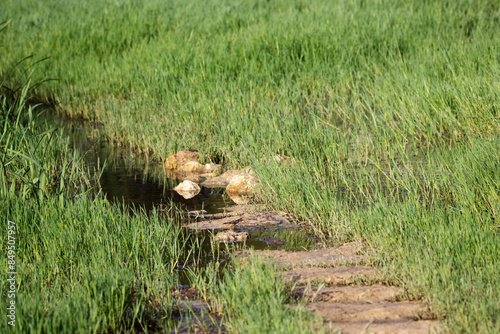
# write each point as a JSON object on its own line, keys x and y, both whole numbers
{"x": 141, "y": 182}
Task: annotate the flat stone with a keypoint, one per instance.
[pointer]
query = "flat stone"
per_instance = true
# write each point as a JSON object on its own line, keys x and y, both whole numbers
{"x": 320, "y": 257}
{"x": 241, "y": 188}
{"x": 231, "y": 236}
{"x": 347, "y": 294}
{"x": 400, "y": 317}
{"x": 331, "y": 276}
{"x": 188, "y": 189}
{"x": 245, "y": 221}
{"x": 272, "y": 241}
{"x": 197, "y": 317}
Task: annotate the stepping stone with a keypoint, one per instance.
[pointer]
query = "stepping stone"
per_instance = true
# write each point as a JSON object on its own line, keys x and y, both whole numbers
{"x": 245, "y": 221}
{"x": 342, "y": 312}
{"x": 331, "y": 276}
{"x": 386, "y": 327}
{"x": 347, "y": 294}
{"x": 400, "y": 317}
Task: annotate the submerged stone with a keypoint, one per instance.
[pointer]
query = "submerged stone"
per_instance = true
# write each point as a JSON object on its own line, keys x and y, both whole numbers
{"x": 191, "y": 167}
{"x": 221, "y": 181}
{"x": 272, "y": 241}
{"x": 196, "y": 167}
{"x": 231, "y": 236}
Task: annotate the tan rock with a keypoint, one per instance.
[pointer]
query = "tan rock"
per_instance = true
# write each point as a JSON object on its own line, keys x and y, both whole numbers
{"x": 223, "y": 180}
{"x": 231, "y": 236}
{"x": 192, "y": 167}
{"x": 332, "y": 256}
{"x": 180, "y": 158}
{"x": 241, "y": 188}
{"x": 246, "y": 219}
{"x": 188, "y": 189}
{"x": 209, "y": 175}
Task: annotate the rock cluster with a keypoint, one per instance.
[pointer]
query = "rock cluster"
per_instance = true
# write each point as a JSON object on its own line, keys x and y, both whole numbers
{"x": 240, "y": 184}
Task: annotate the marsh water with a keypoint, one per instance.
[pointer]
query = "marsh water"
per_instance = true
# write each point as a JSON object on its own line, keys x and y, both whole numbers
{"x": 141, "y": 183}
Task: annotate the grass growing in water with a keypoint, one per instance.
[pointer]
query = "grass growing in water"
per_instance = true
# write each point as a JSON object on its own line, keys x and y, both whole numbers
{"x": 82, "y": 265}
{"x": 88, "y": 266}
{"x": 254, "y": 297}
{"x": 390, "y": 109}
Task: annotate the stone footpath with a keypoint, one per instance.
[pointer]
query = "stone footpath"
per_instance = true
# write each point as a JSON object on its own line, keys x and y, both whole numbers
{"x": 333, "y": 284}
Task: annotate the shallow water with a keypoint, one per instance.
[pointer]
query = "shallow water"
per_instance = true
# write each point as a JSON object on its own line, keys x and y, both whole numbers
{"x": 139, "y": 181}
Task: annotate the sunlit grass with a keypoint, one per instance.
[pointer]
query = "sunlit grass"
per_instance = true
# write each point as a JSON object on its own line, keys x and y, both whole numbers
{"x": 389, "y": 108}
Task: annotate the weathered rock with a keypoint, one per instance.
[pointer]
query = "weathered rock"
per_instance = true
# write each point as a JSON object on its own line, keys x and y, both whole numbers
{"x": 180, "y": 158}
{"x": 188, "y": 189}
{"x": 326, "y": 280}
{"x": 223, "y": 180}
{"x": 231, "y": 236}
{"x": 192, "y": 167}
{"x": 338, "y": 275}
{"x": 212, "y": 169}
{"x": 197, "y": 316}
{"x": 272, "y": 241}
{"x": 191, "y": 177}
{"x": 196, "y": 167}
{"x": 245, "y": 221}
{"x": 241, "y": 188}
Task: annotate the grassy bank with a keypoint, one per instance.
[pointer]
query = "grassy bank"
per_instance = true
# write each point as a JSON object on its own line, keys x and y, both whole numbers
{"x": 75, "y": 262}
{"x": 81, "y": 264}
{"x": 390, "y": 108}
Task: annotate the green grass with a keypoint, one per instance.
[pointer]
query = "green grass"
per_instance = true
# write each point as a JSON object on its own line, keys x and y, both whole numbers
{"x": 253, "y": 300}
{"x": 390, "y": 109}
{"x": 87, "y": 266}
{"x": 82, "y": 264}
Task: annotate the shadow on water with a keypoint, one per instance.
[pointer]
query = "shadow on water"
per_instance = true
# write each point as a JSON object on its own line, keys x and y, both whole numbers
{"x": 140, "y": 182}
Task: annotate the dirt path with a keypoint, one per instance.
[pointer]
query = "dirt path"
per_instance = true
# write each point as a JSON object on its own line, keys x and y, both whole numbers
{"x": 333, "y": 284}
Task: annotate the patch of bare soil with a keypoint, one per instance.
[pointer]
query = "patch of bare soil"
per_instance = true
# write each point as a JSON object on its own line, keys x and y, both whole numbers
{"x": 332, "y": 284}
